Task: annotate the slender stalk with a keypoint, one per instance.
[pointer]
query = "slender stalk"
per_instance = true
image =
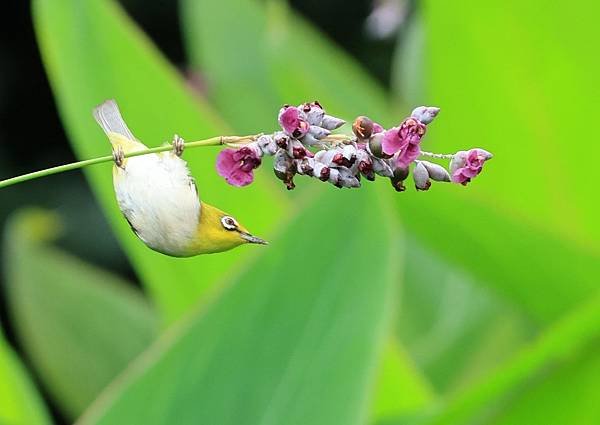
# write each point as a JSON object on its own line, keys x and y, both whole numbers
{"x": 213, "y": 141}
{"x": 437, "y": 155}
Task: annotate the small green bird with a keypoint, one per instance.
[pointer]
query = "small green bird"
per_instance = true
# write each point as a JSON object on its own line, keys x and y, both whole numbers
{"x": 159, "y": 198}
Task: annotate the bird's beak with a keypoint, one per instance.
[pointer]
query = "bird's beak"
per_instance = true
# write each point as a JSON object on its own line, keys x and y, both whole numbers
{"x": 253, "y": 239}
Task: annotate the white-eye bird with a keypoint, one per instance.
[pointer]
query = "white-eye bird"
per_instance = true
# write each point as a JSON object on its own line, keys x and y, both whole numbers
{"x": 158, "y": 196}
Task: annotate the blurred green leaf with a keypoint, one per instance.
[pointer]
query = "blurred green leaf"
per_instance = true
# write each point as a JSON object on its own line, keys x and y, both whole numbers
{"x": 407, "y": 75}
{"x": 92, "y": 52}
{"x": 80, "y": 326}
{"x": 574, "y": 336}
{"x": 20, "y": 403}
{"x": 401, "y": 387}
{"x": 295, "y": 341}
{"x": 567, "y": 394}
{"x": 273, "y": 57}
{"x": 455, "y": 330}
{"x": 530, "y": 212}
{"x": 508, "y": 79}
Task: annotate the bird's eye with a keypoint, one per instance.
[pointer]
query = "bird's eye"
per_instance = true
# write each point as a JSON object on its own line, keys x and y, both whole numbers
{"x": 229, "y": 223}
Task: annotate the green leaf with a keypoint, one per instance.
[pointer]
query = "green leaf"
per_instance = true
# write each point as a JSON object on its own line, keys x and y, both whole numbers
{"x": 20, "y": 403}
{"x": 508, "y": 82}
{"x": 92, "y": 52}
{"x": 78, "y": 325}
{"x": 295, "y": 341}
{"x": 455, "y": 329}
{"x": 512, "y": 82}
{"x": 274, "y": 57}
{"x": 561, "y": 346}
{"x": 566, "y": 394}
{"x": 401, "y": 387}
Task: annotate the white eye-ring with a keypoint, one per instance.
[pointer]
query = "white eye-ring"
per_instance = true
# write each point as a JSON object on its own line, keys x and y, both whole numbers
{"x": 229, "y": 223}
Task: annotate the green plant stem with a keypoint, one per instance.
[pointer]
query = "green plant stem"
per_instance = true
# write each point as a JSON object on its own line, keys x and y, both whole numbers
{"x": 213, "y": 141}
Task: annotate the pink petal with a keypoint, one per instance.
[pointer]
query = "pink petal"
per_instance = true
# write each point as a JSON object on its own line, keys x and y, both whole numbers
{"x": 392, "y": 142}
{"x": 226, "y": 162}
{"x": 459, "y": 177}
{"x": 408, "y": 155}
{"x": 240, "y": 178}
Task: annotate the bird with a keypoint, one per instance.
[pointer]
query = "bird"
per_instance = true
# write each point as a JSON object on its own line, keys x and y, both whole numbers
{"x": 159, "y": 198}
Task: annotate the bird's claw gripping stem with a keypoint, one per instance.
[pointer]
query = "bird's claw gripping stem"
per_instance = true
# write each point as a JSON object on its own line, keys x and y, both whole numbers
{"x": 118, "y": 156}
{"x": 178, "y": 145}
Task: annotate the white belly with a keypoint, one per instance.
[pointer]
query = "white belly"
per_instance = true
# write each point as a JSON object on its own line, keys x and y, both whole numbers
{"x": 159, "y": 199}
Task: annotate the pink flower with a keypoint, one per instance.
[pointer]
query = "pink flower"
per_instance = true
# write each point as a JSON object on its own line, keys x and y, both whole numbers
{"x": 236, "y": 165}
{"x": 404, "y": 140}
{"x": 377, "y": 128}
{"x": 292, "y": 123}
{"x": 468, "y": 164}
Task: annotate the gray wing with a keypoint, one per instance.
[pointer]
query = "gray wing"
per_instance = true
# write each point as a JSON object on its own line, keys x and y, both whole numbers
{"x": 108, "y": 116}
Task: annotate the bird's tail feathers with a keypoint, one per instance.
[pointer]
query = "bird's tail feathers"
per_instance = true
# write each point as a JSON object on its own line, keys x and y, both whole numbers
{"x": 109, "y": 118}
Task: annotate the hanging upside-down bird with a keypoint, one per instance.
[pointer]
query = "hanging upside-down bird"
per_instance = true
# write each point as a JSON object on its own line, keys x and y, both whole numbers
{"x": 159, "y": 198}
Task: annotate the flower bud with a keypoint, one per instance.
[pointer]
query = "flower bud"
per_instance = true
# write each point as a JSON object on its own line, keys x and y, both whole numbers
{"x": 331, "y": 123}
{"x": 334, "y": 177}
{"x": 425, "y": 114}
{"x": 362, "y": 127}
{"x": 436, "y": 172}
{"x": 397, "y": 179}
{"x": 267, "y": 144}
{"x": 313, "y": 112}
{"x": 318, "y": 132}
{"x": 297, "y": 150}
{"x": 375, "y": 148}
{"x": 363, "y": 165}
{"x": 421, "y": 177}
{"x": 305, "y": 166}
{"x": 281, "y": 139}
{"x": 310, "y": 140}
{"x": 284, "y": 168}
{"x": 381, "y": 167}
{"x": 321, "y": 171}
{"x": 347, "y": 179}
{"x": 326, "y": 156}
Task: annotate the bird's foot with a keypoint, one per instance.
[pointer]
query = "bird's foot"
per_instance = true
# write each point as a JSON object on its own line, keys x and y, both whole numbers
{"x": 118, "y": 156}
{"x": 178, "y": 145}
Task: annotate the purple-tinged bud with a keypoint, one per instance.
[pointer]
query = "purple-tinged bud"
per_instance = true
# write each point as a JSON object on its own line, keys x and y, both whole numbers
{"x": 436, "y": 172}
{"x": 466, "y": 165}
{"x": 297, "y": 150}
{"x": 284, "y": 168}
{"x": 318, "y": 132}
{"x": 305, "y": 166}
{"x": 334, "y": 177}
{"x": 310, "y": 140}
{"x": 397, "y": 179}
{"x": 267, "y": 144}
{"x": 281, "y": 139}
{"x": 326, "y": 156}
{"x": 313, "y": 112}
{"x": 382, "y": 167}
{"x": 362, "y": 128}
{"x": 347, "y": 179}
{"x": 349, "y": 152}
{"x": 366, "y": 169}
{"x": 425, "y": 114}
{"x": 338, "y": 159}
{"x": 324, "y": 173}
{"x": 331, "y": 123}
{"x": 421, "y": 177}
{"x": 375, "y": 148}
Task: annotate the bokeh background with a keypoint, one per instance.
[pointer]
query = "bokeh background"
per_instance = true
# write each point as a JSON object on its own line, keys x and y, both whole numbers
{"x": 475, "y": 305}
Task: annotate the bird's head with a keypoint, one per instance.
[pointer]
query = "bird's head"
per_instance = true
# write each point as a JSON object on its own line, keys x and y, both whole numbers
{"x": 219, "y": 231}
